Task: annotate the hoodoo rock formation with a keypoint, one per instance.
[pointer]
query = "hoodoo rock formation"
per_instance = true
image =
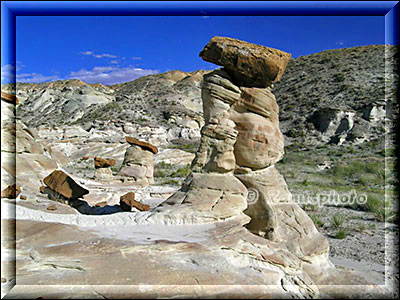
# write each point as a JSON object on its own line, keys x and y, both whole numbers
{"x": 138, "y": 161}
{"x": 102, "y": 168}
{"x": 241, "y": 139}
{"x": 233, "y": 174}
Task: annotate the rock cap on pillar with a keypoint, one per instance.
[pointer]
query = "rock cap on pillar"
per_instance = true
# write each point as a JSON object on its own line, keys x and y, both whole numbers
{"x": 251, "y": 65}
{"x": 141, "y": 144}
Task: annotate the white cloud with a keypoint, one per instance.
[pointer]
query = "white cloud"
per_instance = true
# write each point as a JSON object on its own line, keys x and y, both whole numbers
{"x": 8, "y": 73}
{"x": 115, "y": 61}
{"x": 103, "y": 74}
{"x": 91, "y": 53}
{"x": 110, "y": 75}
{"x": 35, "y": 77}
{"x": 136, "y": 58}
{"x": 340, "y": 43}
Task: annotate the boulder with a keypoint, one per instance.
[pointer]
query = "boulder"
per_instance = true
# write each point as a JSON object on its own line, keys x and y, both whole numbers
{"x": 11, "y": 192}
{"x": 141, "y": 144}
{"x": 250, "y": 65}
{"x": 103, "y": 163}
{"x": 128, "y": 201}
{"x": 61, "y": 183}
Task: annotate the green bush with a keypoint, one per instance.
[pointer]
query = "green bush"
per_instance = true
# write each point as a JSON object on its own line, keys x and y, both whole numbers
{"x": 338, "y": 220}
{"x": 182, "y": 172}
{"x": 341, "y": 234}
{"x": 317, "y": 221}
{"x": 339, "y": 77}
{"x": 112, "y": 106}
{"x": 192, "y": 148}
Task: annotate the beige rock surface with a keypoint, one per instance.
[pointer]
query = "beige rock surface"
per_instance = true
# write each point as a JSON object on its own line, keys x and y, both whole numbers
{"x": 138, "y": 164}
{"x": 103, "y": 174}
{"x": 259, "y": 143}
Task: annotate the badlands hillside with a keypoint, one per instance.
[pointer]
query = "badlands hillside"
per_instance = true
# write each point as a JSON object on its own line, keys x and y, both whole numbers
{"x": 164, "y": 172}
{"x": 337, "y": 96}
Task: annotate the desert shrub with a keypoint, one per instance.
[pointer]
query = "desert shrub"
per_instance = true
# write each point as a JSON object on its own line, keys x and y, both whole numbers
{"x": 160, "y": 173}
{"x": 338, "y": 220}
{"x": 171, "y": 182}
{"x": 373, "y": 203}
{"x": 192, "y": 148}
{"x": 361, "y": 227}
{"x": 339, "y": 77}
{"x": 305, "y": 182}
{"x": 317, "y": 221}
{"x": 376, "y": 205}
{"x": 112, "y": 106}
{"x": 182, "y": 172}
{"x": 341, "y": 234}
{"x": 356, "y": 168}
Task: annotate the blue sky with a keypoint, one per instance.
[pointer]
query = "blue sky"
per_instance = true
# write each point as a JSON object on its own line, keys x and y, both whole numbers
{"x": 119, "y": 49}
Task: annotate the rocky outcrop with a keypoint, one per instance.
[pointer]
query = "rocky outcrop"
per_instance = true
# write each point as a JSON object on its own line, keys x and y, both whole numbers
{"x": 64, "y": 185}
{"x": 127, "y": 202}
{"x": 11, "y": 192}
{"x": 334, "y": 125}
{"x": 138, "y": 161}
{"x": 251, "y": 65}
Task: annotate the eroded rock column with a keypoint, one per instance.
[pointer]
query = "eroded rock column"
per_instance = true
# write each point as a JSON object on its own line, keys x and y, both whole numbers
{"x": 138, "y": 161}
{"x": 234, "y": 169}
